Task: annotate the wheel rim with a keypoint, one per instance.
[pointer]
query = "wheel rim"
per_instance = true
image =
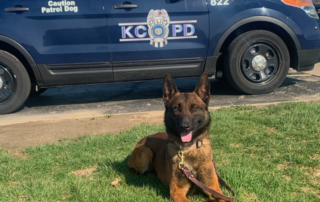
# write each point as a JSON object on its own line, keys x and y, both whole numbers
{"x": 260, "y": 63}
{"x": 7, "y": 84}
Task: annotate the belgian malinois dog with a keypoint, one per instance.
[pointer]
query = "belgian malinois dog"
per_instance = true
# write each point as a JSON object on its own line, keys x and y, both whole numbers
{"x": 187, "y": 121}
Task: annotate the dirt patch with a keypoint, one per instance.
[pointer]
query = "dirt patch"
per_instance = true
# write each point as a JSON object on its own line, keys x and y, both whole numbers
{"x": 13, "y": 183}
{"x": 315, "y": 157}
{"x": 282, "y": 167}
{"x": 287, "y": 177}
{"x": 315, "y": 178}
{"x": 235, "y": 145}
{"x": 313, "y": 174}
{"x": 311, "y": 190}
{"x": 15, "y": 137}
{"x": 250, "y": 197}
{"x": 310, "y": 98}
{"x": 316, "y": 173}
{"x": 272, "y": 129}
{"x": 86, "y": 172}
{"x": 23, "y": 198}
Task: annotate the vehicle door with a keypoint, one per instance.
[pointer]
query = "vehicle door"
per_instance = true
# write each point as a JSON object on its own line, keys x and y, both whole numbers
{"x": 68, "y": 39}
{"x": 149, "y": 38}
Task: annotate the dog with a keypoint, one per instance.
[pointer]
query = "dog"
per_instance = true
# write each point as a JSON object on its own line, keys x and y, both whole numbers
{"x": 187, "y": 121}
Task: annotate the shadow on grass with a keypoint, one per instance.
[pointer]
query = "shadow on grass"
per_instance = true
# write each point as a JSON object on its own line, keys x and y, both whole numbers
{"x": 149, "y": 179}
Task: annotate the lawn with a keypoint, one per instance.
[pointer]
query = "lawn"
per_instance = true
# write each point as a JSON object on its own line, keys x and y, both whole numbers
{"x": 265, "y": 154}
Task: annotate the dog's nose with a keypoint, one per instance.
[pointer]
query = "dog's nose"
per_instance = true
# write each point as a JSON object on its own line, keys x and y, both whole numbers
{"x": 184, "y": 126}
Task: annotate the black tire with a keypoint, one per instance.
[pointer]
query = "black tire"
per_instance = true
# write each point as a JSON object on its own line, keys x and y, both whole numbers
{"x": 15, "y": 83}
{"x": 250, "y": 76}
{"x": 34, "y": 93}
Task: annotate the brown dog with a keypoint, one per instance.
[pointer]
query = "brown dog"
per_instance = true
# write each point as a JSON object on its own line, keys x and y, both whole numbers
{"x": 187, "y": 122}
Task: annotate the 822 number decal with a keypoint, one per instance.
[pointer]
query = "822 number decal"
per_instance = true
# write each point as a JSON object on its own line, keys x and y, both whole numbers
{"x": 219, "y": 2}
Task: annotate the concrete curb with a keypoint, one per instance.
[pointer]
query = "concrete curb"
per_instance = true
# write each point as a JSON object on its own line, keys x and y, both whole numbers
{"x": 81, "y": 114}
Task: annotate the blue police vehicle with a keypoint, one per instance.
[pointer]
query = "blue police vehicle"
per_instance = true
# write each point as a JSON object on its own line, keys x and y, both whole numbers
{"x": 252, "y": 43}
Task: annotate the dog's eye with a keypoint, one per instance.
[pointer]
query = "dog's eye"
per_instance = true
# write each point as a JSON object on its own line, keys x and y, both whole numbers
{"x": 195, "y": 107}
{"x": 175, "y": 108}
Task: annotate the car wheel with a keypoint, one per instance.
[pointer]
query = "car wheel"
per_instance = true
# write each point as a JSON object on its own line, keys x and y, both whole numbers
{"x": 14, "y": 83}
{"x": 34, "y": 93}
{"x": 257, "y": 62}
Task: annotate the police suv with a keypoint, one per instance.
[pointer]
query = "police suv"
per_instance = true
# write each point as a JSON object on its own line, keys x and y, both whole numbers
{"x": 252, "y": 43}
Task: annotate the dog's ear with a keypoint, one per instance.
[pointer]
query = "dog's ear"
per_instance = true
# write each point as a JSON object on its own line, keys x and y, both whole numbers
{"x": 169, "y": 88}
{"x": 203, "y": 88}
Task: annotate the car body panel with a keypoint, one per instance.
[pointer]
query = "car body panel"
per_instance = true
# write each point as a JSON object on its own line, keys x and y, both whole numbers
{"x": 93, "y": 42}
{"x": 58, "y": 37}
{"x": 185, "y": 38}
{"x": 127, "y": 46}
{"x": 62, "y": 36}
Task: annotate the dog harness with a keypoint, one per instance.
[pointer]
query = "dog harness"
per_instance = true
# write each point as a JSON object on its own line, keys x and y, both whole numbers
{"x": 192, "y": 178}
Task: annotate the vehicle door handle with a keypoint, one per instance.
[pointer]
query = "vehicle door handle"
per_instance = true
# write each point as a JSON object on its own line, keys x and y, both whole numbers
{"x": 125, "y": 6}
{"x": 16, "y": 9}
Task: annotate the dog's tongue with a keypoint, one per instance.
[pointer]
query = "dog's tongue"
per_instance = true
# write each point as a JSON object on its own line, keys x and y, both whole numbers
{"x": 186, "y": 137}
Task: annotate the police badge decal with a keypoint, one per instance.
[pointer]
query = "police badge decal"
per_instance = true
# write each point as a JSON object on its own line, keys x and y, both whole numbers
{"x": 156, "y": 29}
{"x": 158, "y": 22}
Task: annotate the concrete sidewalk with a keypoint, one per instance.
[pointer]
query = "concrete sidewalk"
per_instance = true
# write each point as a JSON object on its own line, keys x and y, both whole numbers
{"x": 315, "y": 71}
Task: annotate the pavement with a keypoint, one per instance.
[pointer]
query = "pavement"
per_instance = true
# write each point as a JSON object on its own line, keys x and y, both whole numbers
{"x": 146, "y": 96}
{"x": 315, "y": 71}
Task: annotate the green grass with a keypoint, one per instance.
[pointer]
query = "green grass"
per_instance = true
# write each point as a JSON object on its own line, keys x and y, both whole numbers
{"x": 265, "y": 154}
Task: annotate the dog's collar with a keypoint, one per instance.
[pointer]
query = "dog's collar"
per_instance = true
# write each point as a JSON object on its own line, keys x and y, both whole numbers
{"x": 198, "y": 144}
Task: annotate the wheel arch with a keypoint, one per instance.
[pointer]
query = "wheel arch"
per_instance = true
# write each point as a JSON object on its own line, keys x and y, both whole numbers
{"x": 13, "y": 47}
{"x": 255, "y": 23}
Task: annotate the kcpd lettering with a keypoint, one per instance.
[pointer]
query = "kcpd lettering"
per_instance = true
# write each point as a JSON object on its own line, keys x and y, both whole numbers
{"x": 186, "y": 30}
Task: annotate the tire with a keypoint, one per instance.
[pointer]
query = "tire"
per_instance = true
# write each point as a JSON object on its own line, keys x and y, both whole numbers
{"x": 257, "y": 62}
{"x": 15, "y": 83}
{"x": 34, "y": 93}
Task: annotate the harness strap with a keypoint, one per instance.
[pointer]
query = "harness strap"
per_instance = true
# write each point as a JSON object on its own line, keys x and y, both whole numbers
{"x": 191, "y": 177}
